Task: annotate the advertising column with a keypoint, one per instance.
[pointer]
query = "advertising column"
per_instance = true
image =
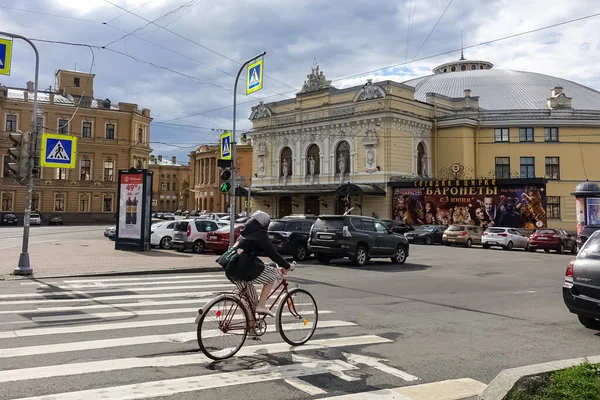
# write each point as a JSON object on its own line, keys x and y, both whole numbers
{"x": 130, "y": 216}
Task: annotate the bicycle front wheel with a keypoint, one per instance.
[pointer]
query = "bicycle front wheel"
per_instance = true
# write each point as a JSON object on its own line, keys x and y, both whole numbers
{"x": 297, "y": 317}
{"x": 223, "y": 328}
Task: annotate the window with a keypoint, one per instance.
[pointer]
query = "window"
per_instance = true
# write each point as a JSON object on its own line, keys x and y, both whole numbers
{"x": 552, "y": 168}
{"x": 380, "y": 228}
{"x": 63, "y": 126}
{"x": 35, "y": 202}
{"x": 553, "y": 207}
{"x": 7, "y": 201}
{"x": 76, "y": 82}
{"x": 502, "y": 167}
{"x": 342, "y": 158}
{"x": 11, "y": 123}
{"x": 368, "y": 225}
{"x": 501, "y": 135}
{"x": 174, "y": 187}
{"x": 60, "y": 174}
{"x": 5, "y": 171}
{"x": 84, "y": 202}
{"x": 86, "y": 129}
{"x": 140, "y": 135}
{"x": 551, "y": 134}
{"x": 110, "y": 131}
{"x": 527, "y": 167}
{"x": 85, "y": 170}
{"x": 168, "y": 186}
{"x": 526, "y": 135}
{"x": 107, "y": 203}
{"x": 59, "y": 202}
{"x": 109, "y": 171}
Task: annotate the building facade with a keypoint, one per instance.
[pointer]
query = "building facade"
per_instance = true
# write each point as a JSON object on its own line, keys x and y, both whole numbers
{"x": 110, "y": 137}
{"x": 205, "y": 174}
{"x": 468, "y": 144}
{"x": 170, "y": 184}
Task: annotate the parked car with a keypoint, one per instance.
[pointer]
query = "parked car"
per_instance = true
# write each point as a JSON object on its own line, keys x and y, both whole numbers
{"x": 464, "y": 235}
{"x": 553, "y": 239}
{"x": 111, "y": 232}
{"x": 168, "y": 217}
{"x": 427, "y": 234}
{"x": 35, "y": 219}
{"x": 289, "y": 235}
{"x": 178, "y": 212}
{"x": 507, "y": 238}
{"x": 8, "y": 219}
{"x": 162, "y": 234}
{"x": 218, "y": 241}
{"x": 56, "y": 219}
{"x": 356, "y": 237}
{"x": 585, "y": 233}
{"x": 191, "y": 234}
{"x": 581, "y": 289}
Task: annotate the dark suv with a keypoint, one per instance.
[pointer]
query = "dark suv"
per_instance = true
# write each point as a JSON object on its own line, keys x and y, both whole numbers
{"x": 8, "y": 219}
{"x": 290, "y": 235}
{"x": 359, "y": 238}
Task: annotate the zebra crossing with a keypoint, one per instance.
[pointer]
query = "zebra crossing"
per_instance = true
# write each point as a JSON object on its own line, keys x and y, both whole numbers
{"x": 135, "y": 338}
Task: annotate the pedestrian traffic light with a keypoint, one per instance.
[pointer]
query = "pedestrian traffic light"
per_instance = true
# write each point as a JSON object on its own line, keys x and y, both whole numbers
{"x": 225, "y": 184}
{"x": 19, "y": 156}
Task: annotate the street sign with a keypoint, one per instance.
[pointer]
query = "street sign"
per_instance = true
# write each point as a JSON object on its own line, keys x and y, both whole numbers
{"x": 58, "y": 151}
{"x": 225, "y": 144}
{"x": 248, "y": 203}
{"x": 254, "y": 80}
{"x": 5, "y": 56}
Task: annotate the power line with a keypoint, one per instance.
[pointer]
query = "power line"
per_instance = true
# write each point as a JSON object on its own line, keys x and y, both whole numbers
{"x": 52, "y": 15}
{"x": 120, "y": 15}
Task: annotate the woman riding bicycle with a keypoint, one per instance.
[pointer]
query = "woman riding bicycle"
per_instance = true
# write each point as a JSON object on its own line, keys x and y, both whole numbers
{"x": 254, "y": 242}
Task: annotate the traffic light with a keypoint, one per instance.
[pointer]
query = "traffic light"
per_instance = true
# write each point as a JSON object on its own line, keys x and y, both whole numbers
{"x": 225, "y": 185}
{"x": 19, "y": 155}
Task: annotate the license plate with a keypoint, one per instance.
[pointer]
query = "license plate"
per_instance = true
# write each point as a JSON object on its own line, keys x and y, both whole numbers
{"x": 326, "y": 237}
{"x": 543, "y": 238}
{"x": 271, "y": 236}
{"x": 451, "y": 240}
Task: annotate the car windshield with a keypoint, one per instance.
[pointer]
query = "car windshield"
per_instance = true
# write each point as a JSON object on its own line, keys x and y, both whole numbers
{"x": 591, "y": 248}
{"x": 277, "y": 226}
{"x": 35, "y": 215}
{"x": 329, "y": 223}
{"x": 546, "y": 232}
{"x": 494, "y": 230}
{"x": 426, "y": 228}
{"x": 10, "y": 215}
{"x": 456, "y": 228}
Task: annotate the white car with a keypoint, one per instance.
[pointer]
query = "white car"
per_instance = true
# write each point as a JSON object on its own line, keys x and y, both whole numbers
{"x": 507, "y": 238}
{"x": 35, "y": 219}
{"x": 162, "y": 234}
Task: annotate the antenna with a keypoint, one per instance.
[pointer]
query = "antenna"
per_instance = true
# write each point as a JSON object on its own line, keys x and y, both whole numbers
{"x": 462, "y": 56}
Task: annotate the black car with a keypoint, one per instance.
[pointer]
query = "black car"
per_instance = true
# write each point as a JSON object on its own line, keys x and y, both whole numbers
{"x": 8, "y": 219}
{"x": 290, "y": 235}
{"x": 427, "y": 234}
{"x": 55, "y": 219}
{"x": 397, "y": 226}
{"x": 585, "y": 233}
{"x": 356, "y": 237}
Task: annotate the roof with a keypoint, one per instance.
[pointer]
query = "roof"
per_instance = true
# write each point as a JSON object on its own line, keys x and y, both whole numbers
{"x": 44, "y": 97}
{"x": 505, "y": 89}
{"x": 164, "y": 163}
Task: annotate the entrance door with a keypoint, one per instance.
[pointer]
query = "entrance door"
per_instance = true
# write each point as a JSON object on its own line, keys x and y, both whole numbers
{"x": 285, "y": 206}
{"x": 312, "y": 205}
{"x": 341, "y": 205}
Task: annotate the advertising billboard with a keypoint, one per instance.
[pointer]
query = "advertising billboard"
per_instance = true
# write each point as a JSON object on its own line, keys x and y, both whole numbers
{"x": 130, "y": 206}
{"x": 593, "y": 210}
{"x": 479, "y": 202}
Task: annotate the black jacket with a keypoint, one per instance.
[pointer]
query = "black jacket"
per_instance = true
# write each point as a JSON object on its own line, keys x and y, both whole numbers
{"x": 255, "y": 242}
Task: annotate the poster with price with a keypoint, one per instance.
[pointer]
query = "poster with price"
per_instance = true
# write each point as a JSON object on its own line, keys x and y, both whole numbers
{"x": 130, "y": 207}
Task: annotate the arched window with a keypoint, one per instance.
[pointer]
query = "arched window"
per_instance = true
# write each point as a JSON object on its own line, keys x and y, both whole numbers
{"x": 162, "y": 205}
{"x": 286, "y": 162}
{"x": 342, "y": 158}
{"x": 313, "y": 161}
{"x": 168, "y": 206}
{"x": 421, "y": 160}
{"x": 139, "y": 164}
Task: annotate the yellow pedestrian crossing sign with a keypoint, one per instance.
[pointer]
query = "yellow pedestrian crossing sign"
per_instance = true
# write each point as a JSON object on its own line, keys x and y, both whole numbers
{"x": 5, "y": 56}
{"x": 58, "y": 151}
{"x": 254, "y": 80}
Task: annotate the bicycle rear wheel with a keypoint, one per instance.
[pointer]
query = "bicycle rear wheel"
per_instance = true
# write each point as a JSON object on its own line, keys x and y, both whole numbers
{"x": 297, "y": 317}
{"x": 223, "y": 328}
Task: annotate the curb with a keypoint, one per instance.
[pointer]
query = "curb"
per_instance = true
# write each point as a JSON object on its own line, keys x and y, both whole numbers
{"x": 121, "y": 273}
{"x": 507, "y": 379}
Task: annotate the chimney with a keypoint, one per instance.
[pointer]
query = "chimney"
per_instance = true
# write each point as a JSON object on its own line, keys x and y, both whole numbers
{"x": 467, "y": 92}
{"x": 556, "y": 91}
{"x": 30, "y": 86}
{"x": 159, "y": 158}
{"x": 174, "y": 160}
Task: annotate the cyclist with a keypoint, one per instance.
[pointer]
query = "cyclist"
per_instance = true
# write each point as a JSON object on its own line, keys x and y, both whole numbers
{"x": 254, "y": 242}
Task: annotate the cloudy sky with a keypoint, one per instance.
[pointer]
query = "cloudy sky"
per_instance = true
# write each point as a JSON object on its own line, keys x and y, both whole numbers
{"x": 182, "y": 65}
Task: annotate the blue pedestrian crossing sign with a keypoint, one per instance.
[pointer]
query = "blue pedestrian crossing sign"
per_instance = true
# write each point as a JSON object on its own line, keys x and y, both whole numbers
{"x": 225, "y": 144}
{"x": 58, "y": 151}
{"x": 254, "y": 80}
{"x": 5, "y": 56}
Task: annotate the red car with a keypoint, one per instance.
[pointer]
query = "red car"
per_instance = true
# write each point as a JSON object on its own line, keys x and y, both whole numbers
{"x": 553, "y": 239}
{"x": 218, "y": 241}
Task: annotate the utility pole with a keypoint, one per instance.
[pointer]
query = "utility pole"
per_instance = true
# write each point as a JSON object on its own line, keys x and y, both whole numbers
{"x": 24, "y": 267}
{"x": 233, "y": 152}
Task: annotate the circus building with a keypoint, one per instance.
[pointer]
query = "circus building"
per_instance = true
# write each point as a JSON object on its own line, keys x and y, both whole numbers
{"x": 468, "y": 144}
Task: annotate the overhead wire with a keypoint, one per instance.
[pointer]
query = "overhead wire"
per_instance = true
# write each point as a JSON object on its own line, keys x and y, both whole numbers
{"x": 52, "y": 15}
{"x": 120, "y": 15}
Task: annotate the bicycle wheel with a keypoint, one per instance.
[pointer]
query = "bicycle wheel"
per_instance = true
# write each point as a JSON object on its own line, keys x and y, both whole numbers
{"x": 223, "y": 328}
{"x": 297, "y": 317}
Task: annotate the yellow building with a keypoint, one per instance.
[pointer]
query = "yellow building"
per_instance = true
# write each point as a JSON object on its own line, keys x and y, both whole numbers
{"x": 170, "y": 184}
{"x": 467, "y": 144}
{"x": 110, "y": 137}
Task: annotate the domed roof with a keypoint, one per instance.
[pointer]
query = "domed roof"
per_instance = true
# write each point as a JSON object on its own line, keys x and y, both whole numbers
{"x": 505, "y": 89}
{"x": 587, "y": 187}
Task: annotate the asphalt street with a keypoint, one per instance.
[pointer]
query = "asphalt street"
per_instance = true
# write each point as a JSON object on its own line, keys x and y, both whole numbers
{"x": 448, "y": 313}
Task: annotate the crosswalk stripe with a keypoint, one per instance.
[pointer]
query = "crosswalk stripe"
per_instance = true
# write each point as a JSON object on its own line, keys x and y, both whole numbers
{"x": 304, "y": 386}
{"x": 172, "y": 361}
{"x": 101, "y": 285}
{"x": 141, "y": 279}
{"x": 133, "y": 340}
{"x": 384, "y": 394}
{"x": 106, "y": 298}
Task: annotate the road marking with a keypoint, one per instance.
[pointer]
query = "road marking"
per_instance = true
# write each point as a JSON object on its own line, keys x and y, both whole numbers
{"x": 196, "y": 383}
{"x": 525, "y": 292}
{"x": 149, "y": 278}
{"x": 196, "y": 295}
{"x": 385, "y": 394}
{"x": 102, "y": 285}
{"x": 133, "y": 340}
{"x": 304, "y": 386}
{"x": 378, "y": 364}
{"x": 53, "y": 371}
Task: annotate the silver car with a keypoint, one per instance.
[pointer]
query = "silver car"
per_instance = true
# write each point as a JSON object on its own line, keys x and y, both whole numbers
{"x": 507, "y": 238}
{"x": 35, "y": 219}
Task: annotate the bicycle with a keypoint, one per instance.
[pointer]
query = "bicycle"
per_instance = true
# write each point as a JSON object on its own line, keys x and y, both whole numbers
{"x": 234, "y": 316}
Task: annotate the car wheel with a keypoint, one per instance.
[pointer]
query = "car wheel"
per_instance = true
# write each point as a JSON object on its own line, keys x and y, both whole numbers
{"x": 323, "y": 259}
{"x": 561, "y": 248}
{"x": 399, "y": 255}
{"x": 428, "y": 240}
{"x": 509, "y": 246}
{"x": 590, "y": 323}
{"x": 361, "y": 256}
{"x": 546, "y": 250}
{"x": 469, "y": 243}
{"x": 486, "y": 246}
{"x": 300, "y": 253}
{"x": 198, "y": 246}
{"x": 165, "y": 243}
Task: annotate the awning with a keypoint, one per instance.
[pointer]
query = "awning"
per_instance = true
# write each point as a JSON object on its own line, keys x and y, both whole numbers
{"x": 293, "y": 190}
{"x": 352, "y": 189}
{"x": 241, "y": 191}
